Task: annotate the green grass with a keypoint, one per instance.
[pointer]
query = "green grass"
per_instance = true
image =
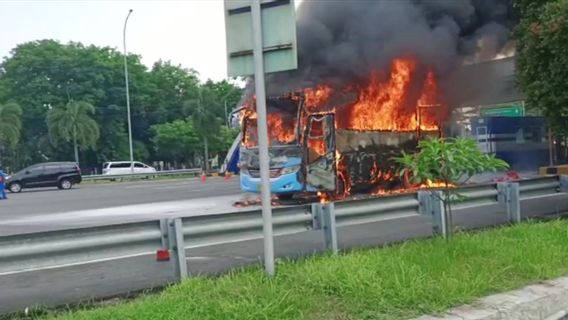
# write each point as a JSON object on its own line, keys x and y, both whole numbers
{"x": 397, "y": 282}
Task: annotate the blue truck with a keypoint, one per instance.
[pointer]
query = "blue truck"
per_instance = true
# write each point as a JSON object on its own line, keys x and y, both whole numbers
{"x": 520, "y": 141}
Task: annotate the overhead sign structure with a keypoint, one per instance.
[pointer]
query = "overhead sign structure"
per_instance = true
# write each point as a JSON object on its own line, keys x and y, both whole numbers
{"x": 510, "y": 110}
{"x": 278, "y": 36}
{"x": 261, "y": 37}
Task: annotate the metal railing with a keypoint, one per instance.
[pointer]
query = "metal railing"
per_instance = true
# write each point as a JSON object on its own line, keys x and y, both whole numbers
{"x": 477, "y": 195}
{"x": 57, "y": 248}
{"x": 232, "y": 227}
{"x": 539, "y": 186}
{"x": 376, "y": 209}
{"x": 100, "y": 177}
{"x": 84, "y": 245}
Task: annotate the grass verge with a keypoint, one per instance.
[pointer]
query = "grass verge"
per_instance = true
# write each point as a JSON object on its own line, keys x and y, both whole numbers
{"x": 397, "y": 282}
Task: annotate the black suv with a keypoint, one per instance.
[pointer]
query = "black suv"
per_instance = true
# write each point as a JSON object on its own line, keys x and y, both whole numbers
{"x": 50, "y": 174}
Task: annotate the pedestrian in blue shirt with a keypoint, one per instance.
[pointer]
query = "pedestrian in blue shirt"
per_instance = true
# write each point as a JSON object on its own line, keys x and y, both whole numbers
{"x": 2, "y": 185}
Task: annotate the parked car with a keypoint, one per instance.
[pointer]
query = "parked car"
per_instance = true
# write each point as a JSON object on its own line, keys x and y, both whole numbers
{"x": 50, "y": 174}
{"x": 123, "y": 167}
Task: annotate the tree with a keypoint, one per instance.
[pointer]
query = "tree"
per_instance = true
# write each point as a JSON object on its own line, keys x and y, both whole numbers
{"x": 224, "y": 140}
{"x": 542, "y": 63}
{"x": 450, "y": 161}
{"x": 10, "y": 126}
{"x": 529, "y": 8}
{"x": 176, "y": 141}
{"x": 171, "y": 86}
{"x": 41, "y": 75}
{"x": 228, "y": 94}
{"x": 201, "y": 108}
{"x": 73, "y": 123}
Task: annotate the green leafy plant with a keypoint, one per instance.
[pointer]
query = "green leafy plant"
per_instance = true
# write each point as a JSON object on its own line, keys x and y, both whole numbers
{"x": 452, "y": 161}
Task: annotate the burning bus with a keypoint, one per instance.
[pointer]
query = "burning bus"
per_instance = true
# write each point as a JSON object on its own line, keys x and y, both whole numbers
{"x": 341, "y": 142}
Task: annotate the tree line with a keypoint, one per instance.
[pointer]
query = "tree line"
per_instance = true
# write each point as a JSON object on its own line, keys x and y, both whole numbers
{"x": 542, "y": 63}
{"x": 67, "y": 102}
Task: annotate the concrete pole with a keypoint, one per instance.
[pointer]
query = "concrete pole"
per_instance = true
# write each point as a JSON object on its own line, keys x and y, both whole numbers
{"x": 262, "y": 137}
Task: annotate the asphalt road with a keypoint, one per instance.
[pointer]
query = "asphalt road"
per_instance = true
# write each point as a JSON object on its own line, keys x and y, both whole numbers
{"x": 103, "y": 279}
{"x": 112, "y": 194}
{"x": 106, "y": 203}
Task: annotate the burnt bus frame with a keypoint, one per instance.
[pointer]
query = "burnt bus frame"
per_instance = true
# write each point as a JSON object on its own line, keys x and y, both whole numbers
{"x": 301, "y": 133}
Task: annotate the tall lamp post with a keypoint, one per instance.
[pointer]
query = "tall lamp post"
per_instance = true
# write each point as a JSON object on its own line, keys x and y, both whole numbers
{"x": 128, "y": 95}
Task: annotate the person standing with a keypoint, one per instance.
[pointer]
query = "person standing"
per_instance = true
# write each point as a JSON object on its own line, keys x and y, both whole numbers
{"x": 2, "y": 185}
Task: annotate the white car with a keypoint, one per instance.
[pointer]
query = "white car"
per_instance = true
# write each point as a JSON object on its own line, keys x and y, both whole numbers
{"x": 123, "y": 167}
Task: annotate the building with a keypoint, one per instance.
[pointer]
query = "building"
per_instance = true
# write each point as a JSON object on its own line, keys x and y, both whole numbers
{"x": 489, "y": 107}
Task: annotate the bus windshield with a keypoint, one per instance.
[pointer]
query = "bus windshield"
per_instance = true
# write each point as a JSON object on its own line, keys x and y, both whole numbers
{"x": 282, "y": 124}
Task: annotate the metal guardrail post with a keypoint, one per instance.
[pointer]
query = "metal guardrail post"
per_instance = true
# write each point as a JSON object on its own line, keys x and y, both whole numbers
{"x": 502, "y": 188}
{"x": 176, "y": 245}
{"x": 317, "y": 216}
{"x": 324, "y": 220}
{"x": 513, "y": 203}
{"x": 431, "y": 204}
{"x": 564, "y": 183}
{"x": 164, "y": 229}
{"x": 329, "y": 227}
{"x": 424, "y": 203}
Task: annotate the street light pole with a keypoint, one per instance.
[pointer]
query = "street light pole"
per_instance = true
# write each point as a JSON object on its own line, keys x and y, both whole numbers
{"x": 226, "y": 116}
{"x": 128, "y": 95}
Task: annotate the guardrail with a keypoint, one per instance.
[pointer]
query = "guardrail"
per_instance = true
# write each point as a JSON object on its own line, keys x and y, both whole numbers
{"x": 376, "y": 209}
{"x": 477, "y": 195}
{"x": 59, "y": 248}
{"x": 539, "y": 186}
{"x": 193, "y": 172}
{"x": 201, "y": 231}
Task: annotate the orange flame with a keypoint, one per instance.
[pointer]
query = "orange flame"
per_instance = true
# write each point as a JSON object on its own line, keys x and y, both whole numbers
{"x": 315, "y": 98}
{"x": 280, "y": 128}
{"x": 436, "y": 184}
{"x": 388, "y": 105}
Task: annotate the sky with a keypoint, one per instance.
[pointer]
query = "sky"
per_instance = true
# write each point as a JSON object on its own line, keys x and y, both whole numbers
{"x": 187, "y": 32}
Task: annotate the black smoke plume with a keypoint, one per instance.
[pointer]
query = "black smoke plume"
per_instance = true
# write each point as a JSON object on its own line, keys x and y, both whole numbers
{"x": 341, "y": 41}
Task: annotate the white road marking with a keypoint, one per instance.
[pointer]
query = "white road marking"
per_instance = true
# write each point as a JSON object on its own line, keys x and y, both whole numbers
{"x": 74, "y": 264}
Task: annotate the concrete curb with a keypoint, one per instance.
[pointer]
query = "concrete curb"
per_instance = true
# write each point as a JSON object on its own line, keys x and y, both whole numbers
{"x": 548, "y": 301}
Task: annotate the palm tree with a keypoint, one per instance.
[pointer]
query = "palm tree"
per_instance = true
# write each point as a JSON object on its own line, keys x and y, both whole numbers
{"x": 10, "y": 125}
{"x": 204, "y": 120}
{"x": 73, "y": 123}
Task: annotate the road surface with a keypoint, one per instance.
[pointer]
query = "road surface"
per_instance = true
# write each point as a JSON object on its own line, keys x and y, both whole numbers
{"x": 104, "y": 203}
{"x": 103, "y": 195}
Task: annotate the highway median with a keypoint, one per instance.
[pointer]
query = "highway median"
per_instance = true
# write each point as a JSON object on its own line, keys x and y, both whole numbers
{"x": 396, "y": 282}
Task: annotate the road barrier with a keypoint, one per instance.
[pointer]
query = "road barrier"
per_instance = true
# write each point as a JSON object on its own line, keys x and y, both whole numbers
{"x": 540, "y": 186}
{"x": 101, "y": 177}
{"x": 84, "y": 245}
{"x": 56, "y": 248}
{"x": 376, "y": 209}
{"x": 478, "y": 195}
